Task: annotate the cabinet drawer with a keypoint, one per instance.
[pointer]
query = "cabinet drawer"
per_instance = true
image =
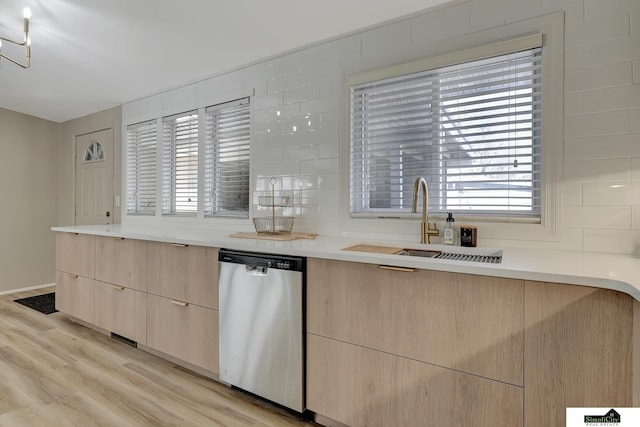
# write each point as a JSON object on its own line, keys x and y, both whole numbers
{"x": 121, "y": 261}
{"x": 188, "y": 332}
{"x": 183, "y": 272}
{"x": 75, "y": 295}
{"x": 121, "y": 310}
{"x": 469, "y": 323}
{"x": 362, "y": 387}
{"x": 74, "y": 253}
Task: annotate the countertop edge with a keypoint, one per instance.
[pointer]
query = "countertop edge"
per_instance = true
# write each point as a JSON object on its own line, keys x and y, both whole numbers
{"x": 606, "y": 271}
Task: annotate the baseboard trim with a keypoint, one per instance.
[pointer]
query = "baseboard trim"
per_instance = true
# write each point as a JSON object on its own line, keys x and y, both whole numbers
{"x": 30, "y": 288}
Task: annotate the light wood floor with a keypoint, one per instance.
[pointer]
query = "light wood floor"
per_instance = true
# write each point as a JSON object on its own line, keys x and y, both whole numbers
{"x": 54, "y": 372}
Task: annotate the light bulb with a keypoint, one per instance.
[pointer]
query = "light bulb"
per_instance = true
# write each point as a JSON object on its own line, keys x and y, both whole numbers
{"x": 26, "y": 13}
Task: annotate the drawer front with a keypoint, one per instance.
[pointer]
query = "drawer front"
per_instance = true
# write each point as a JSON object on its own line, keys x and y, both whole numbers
{"x": 121, "y": 310}
{"x": 188, "y": 332}
{"x": 362, "y": 387}
{"x": 469, "y": 323}
{"x": 74, "y": 253}
{"x": 121, "y": 261}
{"x": 75, "y": 295}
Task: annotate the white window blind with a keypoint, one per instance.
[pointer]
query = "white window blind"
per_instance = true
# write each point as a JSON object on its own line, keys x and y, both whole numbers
{"x": 180, "y": 164}
{"x": 227, "y": 148}
{"x": 472, "y": 130}
{"x": 141, "y": 168}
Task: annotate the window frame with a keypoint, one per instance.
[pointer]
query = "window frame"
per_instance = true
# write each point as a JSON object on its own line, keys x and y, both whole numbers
{"x": 212, "y": 157}
{"x": 132, "y": 154}
{"x": 172, "y": 189}
{"x": 442, "y": 52}
{"x": 428, "y": 74}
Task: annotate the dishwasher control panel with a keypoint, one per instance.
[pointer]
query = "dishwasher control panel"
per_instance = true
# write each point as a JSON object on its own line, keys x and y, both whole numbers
{"x": 279, "y": 262}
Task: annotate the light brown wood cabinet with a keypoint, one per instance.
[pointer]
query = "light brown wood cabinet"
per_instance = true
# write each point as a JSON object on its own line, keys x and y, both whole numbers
{"x": 74, "y": 254}
{"x": 578, "y": 350}
{"x": 436, "y": 348}
{"x": 468, "y": 323}
{"x": 413, "y": 347}
{"x": 363, "y": 387}
{"x": 163, "y": 296}
{"x": 122, "y": 262}
{"x": 75, "y": 295}
{"x": 75, "y": 291}
{"x": 121, "y": 310}
{"x": 183, "y": 330}
{"x": 183, "y": 272}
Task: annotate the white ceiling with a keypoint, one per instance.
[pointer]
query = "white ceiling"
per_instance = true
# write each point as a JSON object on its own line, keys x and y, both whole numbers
{"x": 89, "y": 55}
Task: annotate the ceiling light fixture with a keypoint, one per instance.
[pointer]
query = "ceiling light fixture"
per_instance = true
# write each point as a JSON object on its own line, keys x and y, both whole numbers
{"x": 26, "y": 42}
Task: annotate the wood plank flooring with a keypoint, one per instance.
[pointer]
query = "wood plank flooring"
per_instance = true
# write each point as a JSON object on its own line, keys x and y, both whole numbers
{"x": 54, "y": 372}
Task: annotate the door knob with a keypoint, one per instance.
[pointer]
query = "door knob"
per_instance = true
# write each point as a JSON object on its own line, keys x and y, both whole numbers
{"x": 108, "y": 214}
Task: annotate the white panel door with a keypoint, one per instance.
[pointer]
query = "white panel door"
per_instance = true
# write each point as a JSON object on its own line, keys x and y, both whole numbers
{"x": 94, "y": 178}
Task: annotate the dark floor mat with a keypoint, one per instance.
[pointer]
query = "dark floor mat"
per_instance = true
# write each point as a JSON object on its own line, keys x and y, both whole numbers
{"x": 45, "y": 303}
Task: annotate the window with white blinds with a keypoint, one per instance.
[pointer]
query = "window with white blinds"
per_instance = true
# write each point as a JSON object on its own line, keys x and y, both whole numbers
{"x": 472, "y": 130}
{"x": 180, "y": 164}
{"x": 141, "y": 168}
{"x": 227, "y": 148}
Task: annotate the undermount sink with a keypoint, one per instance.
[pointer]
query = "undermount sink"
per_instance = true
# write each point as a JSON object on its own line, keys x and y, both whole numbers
{"x": 418, "y": 252}
{"x": 473, "y": 255}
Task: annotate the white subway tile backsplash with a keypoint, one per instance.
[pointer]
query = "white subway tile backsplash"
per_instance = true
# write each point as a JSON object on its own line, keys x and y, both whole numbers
{"x": 635, "y": 169}
{"x": 487, "y": 14}
{"x": 321, "y": 166}
{"x": 603, "y": 76}
{"x": 602, "y": 147}
{"x": 635, "y": 23}
{"x": 635, "y": 218}
{"x": 601, "y": 170}
{"x": 609, "y": 194}
{"x": 612, "y": 122}
{"x": 597, "y": 217}
{"x": 571, "y": 194}
{"x": 574, "y": 58}
{"x": 573, "y": 103}
{"x": 610, "y": 27}
{"x": 385, "y": 40}
{"x": 610, "y": 99}
{"x": 612, "y": 241}
{"x": 301, "y": 153}
{"x": 573, "y": 9}
{"x": 634, "y": 120}
{"x": 623, "y": 49}
{"x": 596, "y": 9}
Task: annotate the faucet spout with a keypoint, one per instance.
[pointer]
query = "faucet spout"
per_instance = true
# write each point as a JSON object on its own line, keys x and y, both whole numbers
{"x": 426, "y": 231}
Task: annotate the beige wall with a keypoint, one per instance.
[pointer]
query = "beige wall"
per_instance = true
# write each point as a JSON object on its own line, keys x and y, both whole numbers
{"x": 111, "y": 118}
{"x": 29, "y": 191}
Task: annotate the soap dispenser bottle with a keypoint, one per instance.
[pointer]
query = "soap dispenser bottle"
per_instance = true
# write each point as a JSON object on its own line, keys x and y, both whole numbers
{"x": 449, "y": 233}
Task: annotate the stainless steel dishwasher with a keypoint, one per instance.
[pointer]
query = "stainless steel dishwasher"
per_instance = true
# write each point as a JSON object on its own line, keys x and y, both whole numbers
{"x": 261, "y": 325}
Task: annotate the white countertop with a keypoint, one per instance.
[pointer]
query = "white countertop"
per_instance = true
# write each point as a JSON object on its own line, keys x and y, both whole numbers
{"x": 607, "y": 271}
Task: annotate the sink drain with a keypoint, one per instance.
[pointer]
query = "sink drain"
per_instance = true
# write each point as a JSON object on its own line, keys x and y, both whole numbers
{"x": 491, "y": 259}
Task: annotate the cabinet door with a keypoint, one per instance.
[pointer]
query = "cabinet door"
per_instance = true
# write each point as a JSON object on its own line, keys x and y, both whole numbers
{"x": 75, "y": 295}
{"x": 578, "y": 346}
{"x": 121, "y": 310}
{"x": 188, "y": 332}
{"x": 363, "y": 387}
{"x": 469, "y": 323}
{"x": 183, "y": 272}
{"x": 74, "y": 253}
{"x": 122, "y": 262}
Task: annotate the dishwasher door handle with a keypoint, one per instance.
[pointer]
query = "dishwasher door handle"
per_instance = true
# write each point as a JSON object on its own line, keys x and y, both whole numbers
{"x": 256, "y": 270}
